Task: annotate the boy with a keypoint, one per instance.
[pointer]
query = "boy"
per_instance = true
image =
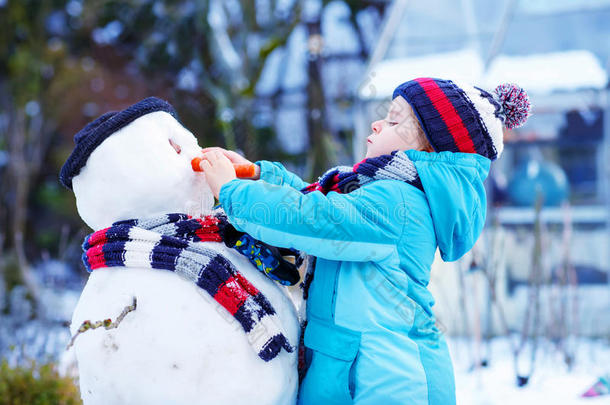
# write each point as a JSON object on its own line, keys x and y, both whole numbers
{"x": 374, "y": 229}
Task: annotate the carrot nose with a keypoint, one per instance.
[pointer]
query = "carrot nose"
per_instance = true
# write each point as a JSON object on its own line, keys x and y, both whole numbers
{"x": 195, "y": 162}
{"x": 246, "y": 170}
{"x": 241, "y": 170}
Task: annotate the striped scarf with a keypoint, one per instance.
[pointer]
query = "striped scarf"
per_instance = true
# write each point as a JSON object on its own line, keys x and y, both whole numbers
{"x": 345, "y": 179}
{"x": 171, "y": 242}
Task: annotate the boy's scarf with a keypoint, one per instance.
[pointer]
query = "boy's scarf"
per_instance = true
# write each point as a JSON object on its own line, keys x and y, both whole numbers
{"x": 345, "y": 179}
{"x": 170, "y": 242}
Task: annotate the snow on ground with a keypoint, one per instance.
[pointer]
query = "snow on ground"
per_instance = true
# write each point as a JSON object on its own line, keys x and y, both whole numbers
{"x": 551, "y": 382}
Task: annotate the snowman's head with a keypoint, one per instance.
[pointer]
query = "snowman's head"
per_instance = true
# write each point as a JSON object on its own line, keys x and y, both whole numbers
{"x": 135, "y": 163}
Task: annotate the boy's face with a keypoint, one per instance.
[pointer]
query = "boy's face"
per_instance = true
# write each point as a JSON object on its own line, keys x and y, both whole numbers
{"x": 398, "y": 130}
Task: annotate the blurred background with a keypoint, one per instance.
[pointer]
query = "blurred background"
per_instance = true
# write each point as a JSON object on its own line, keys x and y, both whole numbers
{"x": 527, "y": 311}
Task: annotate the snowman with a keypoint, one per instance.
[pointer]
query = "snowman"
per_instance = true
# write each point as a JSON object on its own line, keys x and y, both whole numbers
{"x": 179, "y": 336}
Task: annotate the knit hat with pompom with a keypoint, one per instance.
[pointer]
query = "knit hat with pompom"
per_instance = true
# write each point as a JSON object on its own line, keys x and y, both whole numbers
{"x": 465, "y": 118}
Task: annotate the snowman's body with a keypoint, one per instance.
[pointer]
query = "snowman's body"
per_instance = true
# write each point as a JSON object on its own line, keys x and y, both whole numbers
{"x": 179, "y": 346}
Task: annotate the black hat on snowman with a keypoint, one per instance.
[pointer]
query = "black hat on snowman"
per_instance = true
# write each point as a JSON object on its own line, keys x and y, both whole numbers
{"x": 94, "y": 133}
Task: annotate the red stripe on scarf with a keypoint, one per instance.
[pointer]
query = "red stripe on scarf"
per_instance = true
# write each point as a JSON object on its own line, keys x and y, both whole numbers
{"x": 95, "y": 254}
{"x": 231, "y": 295}
{"x": 97, "y": 237}
{"x": 209, "y": 230}
{"x": 248, "y": 286}
{"x": 358, "y": 164}
{"x": 312, "y": 187}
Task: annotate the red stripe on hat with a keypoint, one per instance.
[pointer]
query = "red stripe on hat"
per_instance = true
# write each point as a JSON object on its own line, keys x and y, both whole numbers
{"x": 449, "y": 115}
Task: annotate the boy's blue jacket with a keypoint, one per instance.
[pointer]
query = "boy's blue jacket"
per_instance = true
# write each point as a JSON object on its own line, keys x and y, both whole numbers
{"x": 370, "y": 328}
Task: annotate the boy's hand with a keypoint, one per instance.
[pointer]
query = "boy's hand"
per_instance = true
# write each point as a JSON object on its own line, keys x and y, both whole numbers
{"x": 218, "y": 170}
{"x": 236, "y": 159}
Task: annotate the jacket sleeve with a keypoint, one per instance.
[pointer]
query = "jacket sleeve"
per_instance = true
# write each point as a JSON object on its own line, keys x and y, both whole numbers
{"x": 276, "y": 173}
{"x": 364, "y": 225}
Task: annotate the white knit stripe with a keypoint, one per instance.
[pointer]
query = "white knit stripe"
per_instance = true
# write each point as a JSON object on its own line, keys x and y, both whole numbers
{"x": 400, "y": 167}
{"x": 200, "y": 254}
{"x": 202, "y": 249}
{"x": 486, "y": 111}
{"x": 188, "y": 265}
{"x": 493, "y": 124}
{"x": 137, "y": 233}
{"x": 271, "y": 322}
{"x": 362, "y": 179}
{"x": 138, "y": 248}
{"x": 263, "y": 331}
{"x": 153, "y": 222}
{"x": 343, "y": 169}
{"x": 388, "y": 174}
{"x": 257, "y": 337}
{"x": 137, "y": 254}
{"x": 166, "y": 229}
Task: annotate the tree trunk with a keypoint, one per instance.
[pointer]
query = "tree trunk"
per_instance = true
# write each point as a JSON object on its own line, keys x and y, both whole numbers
{"x": 19, "y": 177}
{"x": 320, "y": 138}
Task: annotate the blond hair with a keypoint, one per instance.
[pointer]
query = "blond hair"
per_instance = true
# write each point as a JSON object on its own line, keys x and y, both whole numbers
{"x": 423, "y": 139}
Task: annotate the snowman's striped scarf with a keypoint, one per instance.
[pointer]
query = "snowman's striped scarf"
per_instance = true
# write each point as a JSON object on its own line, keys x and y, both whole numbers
{"x": 345, "y": 179}
{"x": 171, "y": 242}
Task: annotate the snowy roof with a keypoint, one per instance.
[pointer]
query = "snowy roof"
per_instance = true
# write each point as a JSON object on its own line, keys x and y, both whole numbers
{"x": 538, "y": 73}
{"x": 545, "y": 73}
{"x": 383, "y": 78}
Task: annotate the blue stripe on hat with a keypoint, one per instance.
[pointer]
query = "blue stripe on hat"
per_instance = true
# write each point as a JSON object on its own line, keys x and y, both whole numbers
{"x": 434, "y": 126}
{"x": 429, "y": 118}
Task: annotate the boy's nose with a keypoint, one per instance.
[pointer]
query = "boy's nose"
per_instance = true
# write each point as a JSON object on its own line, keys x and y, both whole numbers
{"x": 376, "y": 126}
